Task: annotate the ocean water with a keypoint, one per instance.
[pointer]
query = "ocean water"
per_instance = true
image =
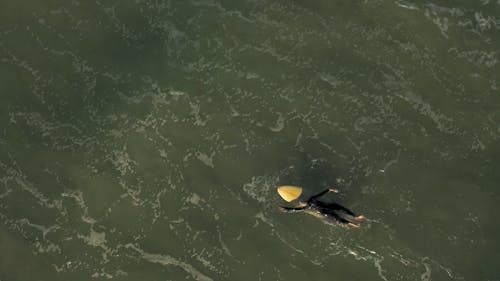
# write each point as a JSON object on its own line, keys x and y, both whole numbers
{"x": 144, "y": 140}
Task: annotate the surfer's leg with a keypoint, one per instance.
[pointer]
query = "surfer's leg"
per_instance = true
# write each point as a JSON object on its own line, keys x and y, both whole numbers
{"x": 338, "y": 207}
{"x": 342, "y": 218}
{"x": 354, "y": 224}
{"x": 333, "y": 217}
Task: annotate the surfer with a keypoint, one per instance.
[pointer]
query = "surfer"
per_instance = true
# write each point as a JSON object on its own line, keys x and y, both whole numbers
{"x": 332, "y": 212}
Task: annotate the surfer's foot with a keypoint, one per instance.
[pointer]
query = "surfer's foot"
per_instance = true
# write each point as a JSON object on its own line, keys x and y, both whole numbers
{"x": 360, "y": 217}
{"x": 354, "y": 224}
{"x": 334, "y": 190}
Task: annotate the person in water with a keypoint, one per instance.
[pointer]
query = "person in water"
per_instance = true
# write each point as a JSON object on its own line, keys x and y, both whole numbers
{"x": 332, "y": 212}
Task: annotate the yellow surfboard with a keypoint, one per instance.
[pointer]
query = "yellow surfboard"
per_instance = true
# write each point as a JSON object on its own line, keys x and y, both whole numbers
{"x": 289, "y": 192}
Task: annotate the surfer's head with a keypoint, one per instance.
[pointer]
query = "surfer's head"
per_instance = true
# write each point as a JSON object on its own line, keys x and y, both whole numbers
{"x": 289, "y": 193}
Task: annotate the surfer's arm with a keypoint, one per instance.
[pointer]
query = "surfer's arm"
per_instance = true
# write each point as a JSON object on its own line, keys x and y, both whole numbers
{"x": 323, "y": 193}
{"x": 292, "y": 209}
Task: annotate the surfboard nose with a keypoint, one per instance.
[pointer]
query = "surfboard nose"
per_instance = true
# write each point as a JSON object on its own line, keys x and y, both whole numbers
{"x": 289, "y": 192}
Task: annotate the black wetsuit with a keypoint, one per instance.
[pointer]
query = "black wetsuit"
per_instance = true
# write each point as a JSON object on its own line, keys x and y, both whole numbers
{"x": 331, "y": 211}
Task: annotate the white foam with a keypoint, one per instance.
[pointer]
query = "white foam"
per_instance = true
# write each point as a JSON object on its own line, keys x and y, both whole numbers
{"x": 166, "y": 260}
{"x": 280, "y": 124}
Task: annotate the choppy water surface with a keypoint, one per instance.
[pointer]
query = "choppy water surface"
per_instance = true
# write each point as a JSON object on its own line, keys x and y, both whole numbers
{"x": 143, "y": 140}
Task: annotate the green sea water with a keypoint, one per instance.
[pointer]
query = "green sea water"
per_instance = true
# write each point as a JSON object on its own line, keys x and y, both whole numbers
{"x": 144, "y": 140}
